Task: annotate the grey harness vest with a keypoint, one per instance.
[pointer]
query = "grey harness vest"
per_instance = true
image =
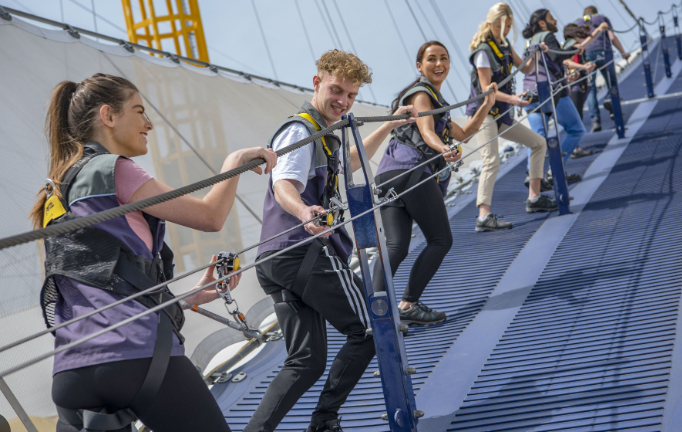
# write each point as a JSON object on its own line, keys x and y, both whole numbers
{"x": 95, "y": 257}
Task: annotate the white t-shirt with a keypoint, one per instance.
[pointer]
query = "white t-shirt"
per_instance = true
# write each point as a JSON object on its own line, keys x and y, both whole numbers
{"x": 481, "y": 60}
{"x": 298, "y": 165}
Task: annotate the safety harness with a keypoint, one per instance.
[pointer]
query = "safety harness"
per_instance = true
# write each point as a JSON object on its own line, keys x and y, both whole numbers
{"x": 94, "y": 257}
{"x": 410, "y": 136}
{"x": 501, "y": 63}
{"x": 327, "y": 150}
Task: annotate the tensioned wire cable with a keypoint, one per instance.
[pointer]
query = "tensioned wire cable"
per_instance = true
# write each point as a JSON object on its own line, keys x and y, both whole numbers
{"x": 16, "y": 343}
{"x": 182, "y": 296}
{"x": 86, "y": 221}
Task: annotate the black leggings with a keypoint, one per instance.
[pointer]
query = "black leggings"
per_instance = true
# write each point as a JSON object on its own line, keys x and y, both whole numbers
{"x": 424, "y": 206}
{"x": 183, "y": 403}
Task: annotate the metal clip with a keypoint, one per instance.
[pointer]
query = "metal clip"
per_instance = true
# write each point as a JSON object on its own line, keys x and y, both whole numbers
{"x": 127, "y": 46}
{"x": 454, "y": 167}
{"x": 173, "y": 58}
{"x": 338, "y": 204}
{"x": 4, "y": 14}
{"x": 72, "y": 31}
{"x": 391, "y": 195}
{"x": 213, "y": 68}
{"x": 49, "y": 191}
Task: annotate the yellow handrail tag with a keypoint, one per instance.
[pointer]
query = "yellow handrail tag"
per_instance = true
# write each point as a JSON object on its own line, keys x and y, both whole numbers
{"x": 53, "y": 210}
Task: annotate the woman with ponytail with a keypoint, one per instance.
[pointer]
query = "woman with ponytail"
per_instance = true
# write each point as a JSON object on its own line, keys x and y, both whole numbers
{"x": 138, "y": 370}
{"x": 492, "y": 58}
{"x": 411, "y": 145}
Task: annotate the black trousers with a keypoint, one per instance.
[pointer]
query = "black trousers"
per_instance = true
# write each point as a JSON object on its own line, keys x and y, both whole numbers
{"x": 425, "y": 206}
{"x": 578, "y": 99}
{"x": 183, "y": 403}
{"x": 333, "y": 293}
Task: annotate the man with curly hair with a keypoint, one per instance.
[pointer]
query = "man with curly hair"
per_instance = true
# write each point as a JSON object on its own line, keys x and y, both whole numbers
{"x": 312, "y": 284}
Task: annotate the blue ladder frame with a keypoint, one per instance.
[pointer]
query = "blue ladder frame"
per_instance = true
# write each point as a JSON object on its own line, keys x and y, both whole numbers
{"x": 664, "y": 46}
{"x": 401, "y": 411}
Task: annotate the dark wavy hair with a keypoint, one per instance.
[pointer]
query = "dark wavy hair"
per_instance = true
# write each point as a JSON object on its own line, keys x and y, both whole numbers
{"x": 420, "y": 56}
{"x": 533, "y": 26}
{"x": 575, "y": 31}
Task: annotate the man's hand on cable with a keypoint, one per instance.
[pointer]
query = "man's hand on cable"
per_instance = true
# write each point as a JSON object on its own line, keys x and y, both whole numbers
{"x": 404, "y": 110}
{"x": 625, "y": 55}
{"x": 209, "y": 294}
{"x": 518, "y": 101}
{"x": 589, "y": 66}
{"x": 308, "y": 213}
{"x": 489, "y": 100}
{"x": 543, "y": 47}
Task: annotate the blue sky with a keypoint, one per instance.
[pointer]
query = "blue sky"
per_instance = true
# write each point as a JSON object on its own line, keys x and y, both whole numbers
{"x": 365, "y": 27}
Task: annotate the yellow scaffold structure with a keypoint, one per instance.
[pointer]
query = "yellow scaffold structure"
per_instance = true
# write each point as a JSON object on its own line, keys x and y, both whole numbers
{"x": 182, "y": 22}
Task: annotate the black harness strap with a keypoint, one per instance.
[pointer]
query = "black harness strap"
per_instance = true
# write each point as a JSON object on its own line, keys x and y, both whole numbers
{"x": 302, "y": 276}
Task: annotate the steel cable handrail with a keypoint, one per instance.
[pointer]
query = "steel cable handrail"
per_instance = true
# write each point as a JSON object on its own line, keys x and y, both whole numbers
{"x": 191, "y": 272}
{"x": 86, "y": 221}
{"x": 184, "y": 295}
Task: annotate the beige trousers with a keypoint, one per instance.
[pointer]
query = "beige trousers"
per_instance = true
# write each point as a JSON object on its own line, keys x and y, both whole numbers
{"x": 491, "y": 154}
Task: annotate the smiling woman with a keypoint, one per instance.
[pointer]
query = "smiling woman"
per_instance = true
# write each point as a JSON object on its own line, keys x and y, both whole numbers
{"x": 94, "y": 127}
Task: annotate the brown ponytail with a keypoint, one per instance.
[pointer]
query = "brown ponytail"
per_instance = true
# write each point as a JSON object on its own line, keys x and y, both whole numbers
{"x": 71, "y": 121}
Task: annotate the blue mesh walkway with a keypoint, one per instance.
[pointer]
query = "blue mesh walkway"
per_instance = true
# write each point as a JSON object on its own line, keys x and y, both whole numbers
{"x": 591, "y": 347}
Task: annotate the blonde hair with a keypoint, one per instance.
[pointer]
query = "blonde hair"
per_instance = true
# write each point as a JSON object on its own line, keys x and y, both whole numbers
{"x": 500, "y": 11}
{"x": 345, "y": 65}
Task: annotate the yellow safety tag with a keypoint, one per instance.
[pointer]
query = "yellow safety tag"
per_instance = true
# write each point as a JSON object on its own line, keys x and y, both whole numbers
{"x": 53, "y": 210}
{"x": 236, "y": 264}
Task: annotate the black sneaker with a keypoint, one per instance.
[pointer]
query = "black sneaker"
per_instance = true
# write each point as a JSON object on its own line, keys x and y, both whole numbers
{"x": 491, "y": 223}
{"x": 580, "y": 152}
{"x": 545, "y": 186}
{"x": 596, "y": 125}
{"x": 328, "y": 426}
{"x": 543, "y": 204}
{"x": 570, "y": 178}
{"x": 421, "y": 314}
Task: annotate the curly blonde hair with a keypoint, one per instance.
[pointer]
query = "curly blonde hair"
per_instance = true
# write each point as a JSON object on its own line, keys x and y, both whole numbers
{"x": 499, "y": 11}
{"x": 346, "y": 65}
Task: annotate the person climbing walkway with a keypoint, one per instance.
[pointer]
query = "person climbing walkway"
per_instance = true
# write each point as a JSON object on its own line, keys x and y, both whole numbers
{"x": 312, "y": 284}
{"x": 596, "y": 52}
{"x": 541, "y": 29}
{"x": 138, "y": 370}
{"x": 411, "y": 145}
{"x": 492, "y": 58}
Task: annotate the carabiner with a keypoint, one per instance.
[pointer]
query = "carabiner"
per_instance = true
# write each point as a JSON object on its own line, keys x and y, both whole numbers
{"x": 49, "y": 192}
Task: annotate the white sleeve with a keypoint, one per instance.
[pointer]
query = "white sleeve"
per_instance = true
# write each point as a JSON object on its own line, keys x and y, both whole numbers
{"x": 481, "y": 60}
{"x": 297, "y": 164}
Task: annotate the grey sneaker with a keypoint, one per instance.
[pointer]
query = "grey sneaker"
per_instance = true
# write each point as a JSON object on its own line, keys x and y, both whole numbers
{"x": 570, "y": 178}
{"x": 492, "y": 223}
{"x": 543, "y": 204}
{"x": 580, "y": 152}
{"x": 421, "y": 314}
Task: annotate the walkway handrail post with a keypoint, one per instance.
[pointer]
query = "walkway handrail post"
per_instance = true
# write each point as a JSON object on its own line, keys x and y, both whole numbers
{"x": 646, "y": 61}
{"x": 676, "y": 24}
{"x": 664, "y": 46}
{"x": 556, "y": 161}
{"x": 614, "y": 94}
{"x": 401, "y": 410}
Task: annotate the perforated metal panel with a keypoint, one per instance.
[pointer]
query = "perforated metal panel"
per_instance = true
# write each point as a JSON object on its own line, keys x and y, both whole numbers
{"x": 591, "y": 347}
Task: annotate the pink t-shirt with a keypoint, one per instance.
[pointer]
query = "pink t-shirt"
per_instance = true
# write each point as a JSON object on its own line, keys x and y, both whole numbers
{"x": 128, "y": 177}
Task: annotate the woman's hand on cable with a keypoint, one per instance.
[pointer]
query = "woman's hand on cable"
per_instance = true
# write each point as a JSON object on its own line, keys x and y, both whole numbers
{"x": 517, "y": 100}
{"x": 543, "y": 47}
{"x": 408, "y": 109}
{"x": 489, "y": 100}
{"x": 209, "y": 294}
{"x": 240, "y": 157}
{"x": 589, "y": 66}
{"x": 310, "y": 212}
